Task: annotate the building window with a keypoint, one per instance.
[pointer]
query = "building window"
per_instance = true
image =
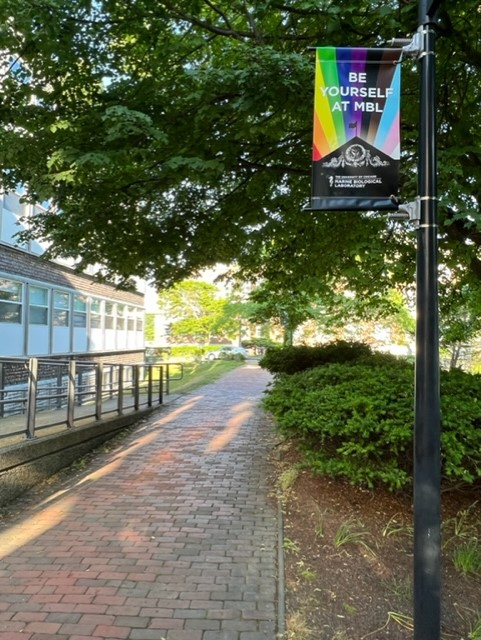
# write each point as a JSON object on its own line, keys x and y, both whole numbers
{"x": 109, "y": 315}
{"x": 38, "y": 305}
{"x": 120, "y": 317}
{"x": 131, "y": 319}
{"x": 95, "y": 314}
{"x": 80, "y": 311}
{"x": 61, "y": 309}
{"x": 10, "y": 301}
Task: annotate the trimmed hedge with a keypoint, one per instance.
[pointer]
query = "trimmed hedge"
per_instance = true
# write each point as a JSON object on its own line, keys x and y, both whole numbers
{"x": 356, "y": 420}
{"x": 293, "y": 359}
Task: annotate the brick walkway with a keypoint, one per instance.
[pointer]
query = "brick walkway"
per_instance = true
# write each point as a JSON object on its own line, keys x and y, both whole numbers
{"x": 171, "y": 535}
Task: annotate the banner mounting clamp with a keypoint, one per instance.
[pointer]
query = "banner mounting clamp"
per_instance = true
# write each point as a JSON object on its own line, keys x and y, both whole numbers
{"x": 409, "y": 211}
{"x": 411, "y": 47}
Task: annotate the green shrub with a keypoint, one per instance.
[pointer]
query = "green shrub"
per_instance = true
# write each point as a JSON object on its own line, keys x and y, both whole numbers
{"x": 299, "y": 358}
{"x": 461, "y": 425}
{"x": 232, "y": 356}
{"x": 263, "y": 343}
{"x": 356, "y": 420}
{"x": 352, "y": 420}
{"x": 186, "y": 352}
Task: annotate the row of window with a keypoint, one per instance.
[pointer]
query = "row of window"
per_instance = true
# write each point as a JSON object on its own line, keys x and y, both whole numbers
{"x": 42, "y": 306}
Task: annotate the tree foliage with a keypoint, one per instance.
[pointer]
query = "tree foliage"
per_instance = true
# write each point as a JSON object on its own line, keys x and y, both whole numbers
{"x": 149, "y": 331}
{"x": 175, "y": 135}
{"x": 287, "y": 308}
{"x": 197, "y": 311}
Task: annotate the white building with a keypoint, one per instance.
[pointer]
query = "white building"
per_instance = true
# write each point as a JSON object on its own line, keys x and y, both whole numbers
{"x": 48, "y": 310}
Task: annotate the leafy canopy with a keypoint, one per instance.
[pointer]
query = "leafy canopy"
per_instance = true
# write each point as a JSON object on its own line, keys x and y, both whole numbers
{"x": 197, "y": 311}
{"x": 175, "y": 135}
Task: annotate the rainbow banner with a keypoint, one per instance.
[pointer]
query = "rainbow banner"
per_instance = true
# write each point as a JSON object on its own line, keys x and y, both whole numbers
{"x": 356, "y": 146}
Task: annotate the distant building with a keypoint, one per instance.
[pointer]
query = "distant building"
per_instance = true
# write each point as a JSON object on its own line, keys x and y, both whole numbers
{"x": 48, "y": 310}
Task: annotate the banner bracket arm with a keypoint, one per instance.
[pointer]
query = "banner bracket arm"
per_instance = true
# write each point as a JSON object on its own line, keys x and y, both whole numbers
{"x": 409, "y": 211}
{"x": 411, "y": 47}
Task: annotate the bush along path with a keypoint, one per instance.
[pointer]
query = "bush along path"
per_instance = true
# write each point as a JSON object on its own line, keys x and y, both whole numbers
{"x": 344, "y": 477}
{"x": 354, "y": 418}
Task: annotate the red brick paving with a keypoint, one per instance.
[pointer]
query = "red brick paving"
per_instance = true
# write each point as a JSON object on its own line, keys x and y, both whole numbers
{"x": 170, "y": 536}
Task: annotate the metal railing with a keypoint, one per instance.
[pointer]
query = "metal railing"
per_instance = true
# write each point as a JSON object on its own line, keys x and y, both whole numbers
{"x": 37, "y": 395}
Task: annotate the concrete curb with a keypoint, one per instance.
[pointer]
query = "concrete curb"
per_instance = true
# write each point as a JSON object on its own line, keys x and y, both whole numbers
{"x": 281, "y": 594}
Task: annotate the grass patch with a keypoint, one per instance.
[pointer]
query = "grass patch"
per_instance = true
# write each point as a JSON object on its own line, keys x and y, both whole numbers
{"x": 297, "y": 627}
{"x": 305, "y": 572}
{"x": 467, "y": 558}
{"x": 196, "y": 374}
{"x": 287, "y": 479}
{"x": 396, "y": 526}
{"x": 291, "y": 545}
{"x": 464, "y": 526}
{"x": 475, "y": 629}
{"x": 320, "y": 517}
{"x": 401, "y": 589}
{"x": 351, "y": 532}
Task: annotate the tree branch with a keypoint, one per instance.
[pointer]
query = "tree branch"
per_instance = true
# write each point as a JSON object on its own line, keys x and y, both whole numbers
{"x": 277, "y": 169}
{"x": 220, "y": 13}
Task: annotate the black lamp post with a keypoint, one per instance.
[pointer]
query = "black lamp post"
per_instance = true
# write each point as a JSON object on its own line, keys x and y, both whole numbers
{"x": 427, "y": 455}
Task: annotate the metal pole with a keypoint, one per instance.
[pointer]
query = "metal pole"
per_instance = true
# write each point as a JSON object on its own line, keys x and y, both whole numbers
{"x": 120, "y": 397}
{"x": 149, "y": 388}
{"x": 136, "y": 382}
{"x": 32, "y": 397}
{"x": 2, "y": 389}
{"x": 427, "y": 447}
{"x": 99, "y": 389}
{"x": 71, "y": 393}
{"x": 161, "y": 384}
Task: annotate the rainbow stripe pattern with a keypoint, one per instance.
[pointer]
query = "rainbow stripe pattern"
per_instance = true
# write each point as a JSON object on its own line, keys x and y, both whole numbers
{"x": 357, "y": 95}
